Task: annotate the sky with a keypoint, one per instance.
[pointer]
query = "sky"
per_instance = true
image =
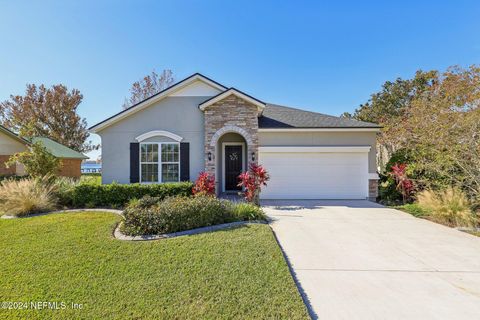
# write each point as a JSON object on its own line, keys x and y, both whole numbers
{"x": 316, "y": 55}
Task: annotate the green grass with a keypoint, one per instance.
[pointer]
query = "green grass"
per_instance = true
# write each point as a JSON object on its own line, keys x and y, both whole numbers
{"x": 237, "y": 273}
{"x": 414, "y": 209}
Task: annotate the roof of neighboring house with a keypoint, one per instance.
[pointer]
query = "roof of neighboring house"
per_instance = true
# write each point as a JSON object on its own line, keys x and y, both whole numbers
{"x": 59, "y": 150}
{"x": 279, "y": 117}
{"x": 53, "y": 147}
{"x": 12, "y": 134}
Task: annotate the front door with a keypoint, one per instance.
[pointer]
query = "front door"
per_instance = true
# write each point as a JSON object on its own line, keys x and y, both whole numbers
{"x": 233, "y": 167}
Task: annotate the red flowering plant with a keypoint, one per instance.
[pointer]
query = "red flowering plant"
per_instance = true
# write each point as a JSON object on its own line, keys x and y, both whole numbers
{"x": 252, "y": 182}
{"x": 404, "y": 184}
{"x": 204, "y": 185}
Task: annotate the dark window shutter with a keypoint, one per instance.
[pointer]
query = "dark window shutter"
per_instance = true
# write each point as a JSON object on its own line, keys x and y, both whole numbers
{"x": 134, "y": 162}
{"x": 184, "y": 161}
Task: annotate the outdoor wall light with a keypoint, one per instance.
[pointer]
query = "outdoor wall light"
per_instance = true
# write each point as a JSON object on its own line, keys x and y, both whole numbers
{"x": 253, "y": 156}
{"x": 209, "y": 156}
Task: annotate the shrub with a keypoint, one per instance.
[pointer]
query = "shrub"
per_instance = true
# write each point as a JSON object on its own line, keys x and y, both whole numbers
{"x": 449, "y": 206}
{"x": 152, "y": 216}
{"x": 252, "y": 181}
{"x": 38, "y": 162}
{"x": 64, "y": 187}
{"x": 404, "y": 184}
{"x": 247, "y": 211}
{"x": 205, "y": 185}
{"x": 26, "y": 196}
{"x": 387, "y": 190}
{"x": 118, "y": 195}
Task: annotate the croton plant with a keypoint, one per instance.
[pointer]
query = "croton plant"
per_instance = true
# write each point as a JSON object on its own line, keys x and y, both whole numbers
{"x": 404, "y": 184}
{"x": 204, "y": 185}
{"x": 252, "y": 182}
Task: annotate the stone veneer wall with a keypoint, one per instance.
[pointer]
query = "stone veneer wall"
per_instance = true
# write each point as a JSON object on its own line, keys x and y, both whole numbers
{"x": 372, "y": 189}
{"x": 231, "y": 114}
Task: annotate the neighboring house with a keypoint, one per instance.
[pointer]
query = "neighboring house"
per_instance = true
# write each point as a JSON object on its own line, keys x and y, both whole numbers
{"x": 200, "y": 125}
{"x": 11, "y": 143}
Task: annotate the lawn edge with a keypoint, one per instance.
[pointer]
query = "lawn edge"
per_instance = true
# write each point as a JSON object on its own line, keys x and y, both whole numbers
{"x": 117, "y": 233}
{"x": 301, "y": 291}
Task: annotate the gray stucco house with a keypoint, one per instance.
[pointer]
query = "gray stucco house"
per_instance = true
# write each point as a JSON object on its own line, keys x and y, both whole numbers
{"x": 200, "y": 125}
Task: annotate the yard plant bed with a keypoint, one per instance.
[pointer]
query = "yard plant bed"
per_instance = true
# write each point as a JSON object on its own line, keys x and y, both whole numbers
{"x": 417, "y": 211}
{"x": 153, "y": 216}
{"x": 73, "y": 257}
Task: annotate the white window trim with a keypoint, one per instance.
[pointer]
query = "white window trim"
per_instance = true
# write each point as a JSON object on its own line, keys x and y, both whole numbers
{"x": 157, "y": 133}
{"x": 223, "y": 159}
{"x": 159, "y": 162}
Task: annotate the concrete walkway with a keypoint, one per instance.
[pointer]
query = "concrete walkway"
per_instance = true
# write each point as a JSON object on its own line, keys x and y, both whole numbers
{"x": 359, "y": 260}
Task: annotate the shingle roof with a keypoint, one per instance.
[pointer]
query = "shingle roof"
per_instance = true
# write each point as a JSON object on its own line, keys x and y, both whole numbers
{"x": 275, "y": 116}
{"x": 59, "y": 150}
{"x": 53, "y": 147}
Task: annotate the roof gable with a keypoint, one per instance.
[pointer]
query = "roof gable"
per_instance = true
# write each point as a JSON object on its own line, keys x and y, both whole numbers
{"x": 197, "y": 88}
{"x": 184, "y": 85}
{"x": 232, "y": 91}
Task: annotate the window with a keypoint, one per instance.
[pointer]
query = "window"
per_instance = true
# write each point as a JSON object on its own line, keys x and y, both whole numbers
{"x": 170, "y": 162}
{"x": 163, "y": 168}
{"x": 149, "y": 162}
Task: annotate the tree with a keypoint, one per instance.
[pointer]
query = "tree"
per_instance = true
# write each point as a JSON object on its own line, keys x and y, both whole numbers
{"x": 48, "y": 112}
{"x": 150, "y": 85}
{"x": 442, "y": 130}
{"x": 389, "y": 107}
{"x": 347, "y": 115}
{"x": 38, "y": 162}
{"x": 434, "y": 120}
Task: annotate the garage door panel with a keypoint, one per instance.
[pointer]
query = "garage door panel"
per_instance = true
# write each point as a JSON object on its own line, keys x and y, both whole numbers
{"x": 315, "y": 175}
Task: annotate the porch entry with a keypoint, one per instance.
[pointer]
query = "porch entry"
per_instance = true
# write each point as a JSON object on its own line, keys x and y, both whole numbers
{"x": 233, "y": 164}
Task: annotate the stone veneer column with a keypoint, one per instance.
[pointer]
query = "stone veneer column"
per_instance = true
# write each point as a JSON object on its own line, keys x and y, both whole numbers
{"x": 231, "y": 114}
{"x": 372, "y": 189}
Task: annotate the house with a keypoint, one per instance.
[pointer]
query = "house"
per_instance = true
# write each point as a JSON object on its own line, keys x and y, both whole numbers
{"x": 11, "y": 143}
{"x": 200, "y": 125}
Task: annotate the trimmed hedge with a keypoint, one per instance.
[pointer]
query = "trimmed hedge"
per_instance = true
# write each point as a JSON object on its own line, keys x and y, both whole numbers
{"x": 118, "y": 195}
{"x": 153, "y": 216}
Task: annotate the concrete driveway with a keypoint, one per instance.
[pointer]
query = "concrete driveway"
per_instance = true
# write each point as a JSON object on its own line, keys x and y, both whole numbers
{"x": 359, "y": 260}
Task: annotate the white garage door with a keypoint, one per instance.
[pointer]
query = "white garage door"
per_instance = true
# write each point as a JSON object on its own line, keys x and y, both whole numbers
{"x": 315, "y": 172}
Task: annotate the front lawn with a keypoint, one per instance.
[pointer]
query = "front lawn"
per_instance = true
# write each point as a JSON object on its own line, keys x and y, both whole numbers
{"x": 73, "y": 258}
